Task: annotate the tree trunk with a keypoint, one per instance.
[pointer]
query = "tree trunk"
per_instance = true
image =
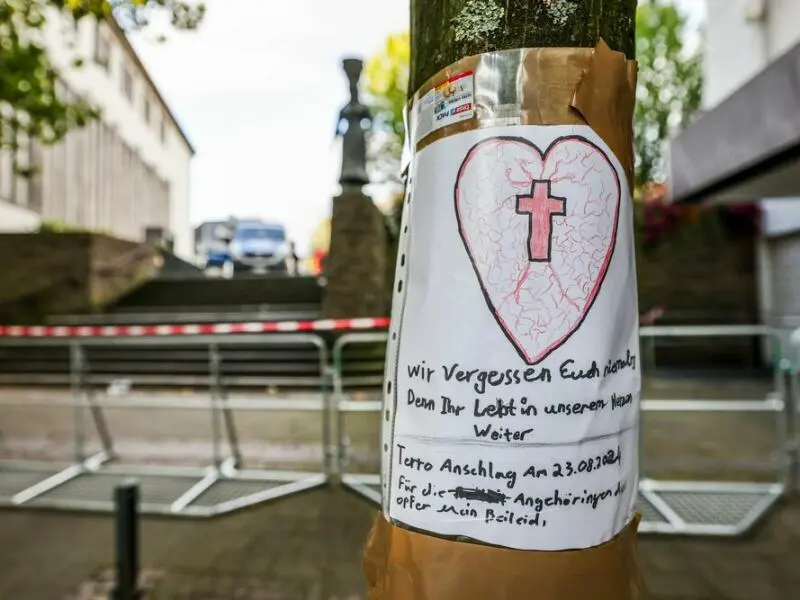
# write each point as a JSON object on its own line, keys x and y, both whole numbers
{"x": 411, "y": 557}
{"x": 443, "y": 31}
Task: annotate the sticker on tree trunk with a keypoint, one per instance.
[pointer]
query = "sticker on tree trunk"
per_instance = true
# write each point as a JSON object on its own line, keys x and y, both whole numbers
{"x": 513, "y": 378}
{"x": 450, "y": 102}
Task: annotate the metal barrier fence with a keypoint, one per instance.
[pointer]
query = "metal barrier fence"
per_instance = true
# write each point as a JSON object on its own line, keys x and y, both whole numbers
{"x": 367, "y": 485}
{"x": 224, "y": 484}
{"x": 726, "y": 508}
{"x": 300, "y": 360}
{"x": 791, "y": 381}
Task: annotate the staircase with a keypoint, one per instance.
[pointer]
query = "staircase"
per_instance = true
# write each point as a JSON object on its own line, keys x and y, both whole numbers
{"x": 198, "y": 300}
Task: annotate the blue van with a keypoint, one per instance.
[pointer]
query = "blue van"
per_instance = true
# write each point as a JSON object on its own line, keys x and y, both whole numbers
{"x": 242, "y": 246}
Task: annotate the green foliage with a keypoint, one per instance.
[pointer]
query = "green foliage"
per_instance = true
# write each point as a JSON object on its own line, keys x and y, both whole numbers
{"x": 386, "y": 82}
{"x": 386, "y": 77}
{"x": 670, "y": 83}
{"x": 61, "y": 227}
{"x": 669, "y": 91}
{"x": 31, "y": 106}
{"x": 56, "y": 227}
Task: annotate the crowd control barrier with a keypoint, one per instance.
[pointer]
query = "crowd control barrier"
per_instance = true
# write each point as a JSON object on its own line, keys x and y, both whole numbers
{"x": 721, "y": 508}
{"x": 368, "y": 383}
{"x": 791, "y": 369}
{"x": 255, "y": 356}
{"x": 791, "y": 381}
{"x": 251, "y": 356}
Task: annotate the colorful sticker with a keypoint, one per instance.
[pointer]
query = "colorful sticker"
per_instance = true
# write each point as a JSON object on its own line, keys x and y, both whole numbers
{"x": 448, "y": 103}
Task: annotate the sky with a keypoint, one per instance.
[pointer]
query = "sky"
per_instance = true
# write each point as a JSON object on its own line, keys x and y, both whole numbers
{"x": 258, "y": 89}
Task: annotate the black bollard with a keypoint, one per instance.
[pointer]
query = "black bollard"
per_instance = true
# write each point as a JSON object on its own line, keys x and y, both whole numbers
{"x": 126, "y": 513}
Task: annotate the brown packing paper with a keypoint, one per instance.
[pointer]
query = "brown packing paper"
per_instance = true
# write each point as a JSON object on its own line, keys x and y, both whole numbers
{"x": 560, "y": 86}
{"x": 554, "y": 86}
{"x": 403, "y": 565}
{"x": 605, "y": 98}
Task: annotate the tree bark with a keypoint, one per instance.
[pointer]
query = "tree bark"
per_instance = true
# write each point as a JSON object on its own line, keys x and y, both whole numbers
{"x": 443, "y": 31}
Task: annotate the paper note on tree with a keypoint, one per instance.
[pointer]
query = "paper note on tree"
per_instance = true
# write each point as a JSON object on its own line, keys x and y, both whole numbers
{"x": 513, "y": 378}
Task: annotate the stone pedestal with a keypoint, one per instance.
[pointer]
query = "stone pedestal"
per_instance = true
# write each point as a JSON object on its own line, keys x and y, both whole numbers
{"x": 356, "y": 270}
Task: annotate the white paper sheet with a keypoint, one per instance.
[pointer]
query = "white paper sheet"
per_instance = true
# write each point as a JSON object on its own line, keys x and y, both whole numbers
{"x": 513, "y": 377}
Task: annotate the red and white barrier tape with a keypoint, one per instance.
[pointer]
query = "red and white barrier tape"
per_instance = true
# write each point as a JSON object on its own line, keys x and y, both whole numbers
{"x": 50, "y": 331}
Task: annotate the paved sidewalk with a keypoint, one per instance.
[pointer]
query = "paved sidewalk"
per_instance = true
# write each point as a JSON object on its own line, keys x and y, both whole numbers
{"x": 308, "y": 547}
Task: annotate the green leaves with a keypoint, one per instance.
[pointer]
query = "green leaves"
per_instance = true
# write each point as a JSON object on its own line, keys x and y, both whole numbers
{"x": 670, "y": 84}
{"x": 132, "y": 14}
{"x": 386, "y": 85}
{"x": 32, "y": 103}
{"x": 386, "y": 78}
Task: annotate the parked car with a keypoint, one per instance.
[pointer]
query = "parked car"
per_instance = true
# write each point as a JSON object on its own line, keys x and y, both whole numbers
{"x": 258, "y": 247}
{"x": 248, "y": 246}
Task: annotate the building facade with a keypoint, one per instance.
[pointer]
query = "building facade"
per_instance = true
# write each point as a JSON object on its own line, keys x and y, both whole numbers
{"x": 742, "y": 38}
{"x": 123, "y": 173}
{"x": 746, "y": 39}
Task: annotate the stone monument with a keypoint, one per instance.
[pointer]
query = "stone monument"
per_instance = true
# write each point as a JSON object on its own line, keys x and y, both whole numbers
{"x": 356, "y": 268}
{"x": 354, "y": 122}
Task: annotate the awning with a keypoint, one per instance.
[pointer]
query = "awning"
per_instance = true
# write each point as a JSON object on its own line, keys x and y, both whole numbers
{"x": 747, "y": 147}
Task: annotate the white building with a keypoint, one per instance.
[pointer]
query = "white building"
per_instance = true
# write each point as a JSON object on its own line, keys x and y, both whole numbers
{"x": 742, "y": 38}
{"x": 746, "y": 144}
{"x": 122, "y": 173}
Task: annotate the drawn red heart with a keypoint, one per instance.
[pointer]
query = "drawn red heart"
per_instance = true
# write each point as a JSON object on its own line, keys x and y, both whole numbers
{"x": 540, "y": 229}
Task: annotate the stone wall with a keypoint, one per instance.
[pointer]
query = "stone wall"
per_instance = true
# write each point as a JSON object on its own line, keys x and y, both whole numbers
{"x": 117, "y": 267}
{"x": 61, "y": 273}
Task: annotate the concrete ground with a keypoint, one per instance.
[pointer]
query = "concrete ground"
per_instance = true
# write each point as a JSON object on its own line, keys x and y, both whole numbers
{"x": 309, "y": 546}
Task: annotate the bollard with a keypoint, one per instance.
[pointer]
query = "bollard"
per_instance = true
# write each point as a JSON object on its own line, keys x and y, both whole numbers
{"x": 126, "y": 515}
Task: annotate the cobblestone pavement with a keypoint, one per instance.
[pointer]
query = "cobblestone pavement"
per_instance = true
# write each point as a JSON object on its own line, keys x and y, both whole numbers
{"x": 308, "y": 547}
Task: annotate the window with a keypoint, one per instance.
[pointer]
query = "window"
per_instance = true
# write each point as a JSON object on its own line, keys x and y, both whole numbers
{"x": 274, "y": 234}
{"x": 162, "y": 129}
{"x": 147, "y": 111}
{"x": 127, "y": 83}
{"x": 35, "y": 185}
{"x": 22, "y": 183}
{"x": 102, "y": 48}
{"x": 7, "y": 175}
{"x": 14, "y": 185}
